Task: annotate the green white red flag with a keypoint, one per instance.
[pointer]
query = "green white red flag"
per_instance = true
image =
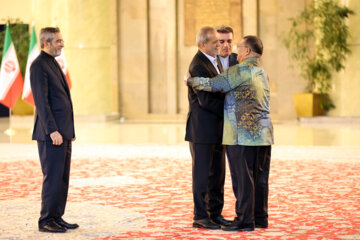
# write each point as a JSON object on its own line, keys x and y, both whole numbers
{"x": 33, "y": 53}
{"x": 62, "y": 62}
{"x": 11, "y": 82}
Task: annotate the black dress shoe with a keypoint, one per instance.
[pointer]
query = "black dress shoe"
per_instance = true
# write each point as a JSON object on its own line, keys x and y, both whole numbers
{"x": 261, "y": 222}
{"x": 66, "y": 225}
{"x": 205, "y": 223}
{"x": 53, "y": 227}
{"x": 260, "y": 225}
{"x": 236, "y": 226}
{"x": 220, "y": 220}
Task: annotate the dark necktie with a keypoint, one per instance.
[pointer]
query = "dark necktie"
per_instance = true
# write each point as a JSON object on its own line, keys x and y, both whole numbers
{"x": 219, "y": 65}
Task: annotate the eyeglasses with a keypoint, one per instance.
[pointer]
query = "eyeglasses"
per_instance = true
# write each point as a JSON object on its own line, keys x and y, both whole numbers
{"x": 59, "y": 41}
{"x": 244, "y": 47}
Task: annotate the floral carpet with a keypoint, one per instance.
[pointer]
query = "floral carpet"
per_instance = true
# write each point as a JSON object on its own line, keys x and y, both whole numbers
{"x": 144, "y": 192}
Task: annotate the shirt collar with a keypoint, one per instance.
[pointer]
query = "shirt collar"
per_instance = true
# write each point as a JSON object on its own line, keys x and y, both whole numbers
{"x": 46, "y": 54}
{"x": 254, "y": 61}
{"x": 223, "y": 58}
{"x": 212, "y": 59}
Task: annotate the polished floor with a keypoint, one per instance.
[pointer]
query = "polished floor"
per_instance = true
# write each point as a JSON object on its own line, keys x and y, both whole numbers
{"x": 132, "y": 180}
{"x": 321, "y": 131}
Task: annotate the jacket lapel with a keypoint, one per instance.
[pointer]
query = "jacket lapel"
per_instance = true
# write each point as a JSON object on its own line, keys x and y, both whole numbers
{"x": 57, "y": 69}
{"x": 219, "y": 64}
{"x": 233, "y": 59}
{"x": 210, "y": 67}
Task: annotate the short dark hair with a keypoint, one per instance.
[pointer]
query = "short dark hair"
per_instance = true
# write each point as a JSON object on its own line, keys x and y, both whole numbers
{"x": 225, "y": 29}
{"x": 254, "y": 43}
{"x": 47, "y": 34}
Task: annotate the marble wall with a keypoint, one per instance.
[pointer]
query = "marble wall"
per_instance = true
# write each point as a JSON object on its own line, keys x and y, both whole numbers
{"x": 346, "y": 85}
{"x": 128, "y": 57}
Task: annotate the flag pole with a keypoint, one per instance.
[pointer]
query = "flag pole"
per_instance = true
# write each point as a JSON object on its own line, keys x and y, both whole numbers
{"x": 10, "y": 128}
{"x": 9, "y": 131}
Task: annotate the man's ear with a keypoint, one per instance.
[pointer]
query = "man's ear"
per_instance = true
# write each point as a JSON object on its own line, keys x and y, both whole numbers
{"x": 46, "y": 44}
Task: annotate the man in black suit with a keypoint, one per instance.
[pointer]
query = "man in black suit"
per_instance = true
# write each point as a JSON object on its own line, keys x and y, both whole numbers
{"x": 225, "y": 36}
{"x": 204, "y": 132}
{"x": 53, "y": 130}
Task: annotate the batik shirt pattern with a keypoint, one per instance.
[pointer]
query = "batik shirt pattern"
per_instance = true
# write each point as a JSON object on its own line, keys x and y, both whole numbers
{"x": 247, "y": 103}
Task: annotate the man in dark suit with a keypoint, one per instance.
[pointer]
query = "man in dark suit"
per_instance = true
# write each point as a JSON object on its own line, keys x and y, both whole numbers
{"x": 225, "y": 36}
{"x": 204, "y": 132}
{"x": 53, "y": 130}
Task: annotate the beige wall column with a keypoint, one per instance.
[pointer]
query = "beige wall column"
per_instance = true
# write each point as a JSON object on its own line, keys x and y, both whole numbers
{"x": 114, "y": 56}
{"x": 133, "y": 52}
{"x": 346, "y": 85}
{"x": 86, "y": 30}
{"x": 186, "y": 53}
{"x": 171, "y": 76}
{"x": 250, "y": 17}
{"x": 284, "y": 81}
{"x": 162, "y": 59}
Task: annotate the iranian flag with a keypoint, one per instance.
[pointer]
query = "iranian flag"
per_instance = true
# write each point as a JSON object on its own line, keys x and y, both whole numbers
{"x": 11, "y": 83}
{"x": 62, "y": 62}
{"x": 33, "y": 53}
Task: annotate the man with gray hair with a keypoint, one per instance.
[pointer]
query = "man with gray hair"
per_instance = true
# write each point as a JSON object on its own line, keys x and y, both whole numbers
{"x": 204, "y": 133}
{"x": 53, "y": 130}
{"x": 248, "y": 132}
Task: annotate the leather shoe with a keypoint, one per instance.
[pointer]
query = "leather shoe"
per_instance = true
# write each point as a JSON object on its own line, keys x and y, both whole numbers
{"x": 205, "y": 223}
{"x": 236, "y": 226}
{"x": 53, "y": 227}
{"x": 261, "y": 222}
{"x": 258, "y": 225}
{"x": 66, "y": 225}
{"x": 220, "y": 220}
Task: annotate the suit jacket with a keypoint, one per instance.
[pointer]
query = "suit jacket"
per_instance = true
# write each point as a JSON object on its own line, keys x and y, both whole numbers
{"x": 233, "y": 59}
{"x": 54, "y": 110}
{"x": 206, "y": 110}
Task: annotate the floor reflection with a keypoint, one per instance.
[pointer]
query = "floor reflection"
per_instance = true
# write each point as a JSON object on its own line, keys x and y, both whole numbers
{"x": 90, "y": 131}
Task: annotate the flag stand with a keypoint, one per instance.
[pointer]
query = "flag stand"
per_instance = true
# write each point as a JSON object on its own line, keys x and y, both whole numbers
{"x": 10, "y": 131}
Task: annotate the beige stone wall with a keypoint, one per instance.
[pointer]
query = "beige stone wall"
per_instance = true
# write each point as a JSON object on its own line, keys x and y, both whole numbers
{"x": 129, "y": 56}
{"x": 273, "y": 22}
{"x": 153, "y": 59}
{"x": 273, "y": 15}
{"x": 133, "y": 58}
{"x": 346, "y": 85}
{"x": 86, "y": 28}
{"x": 15, "y": 9}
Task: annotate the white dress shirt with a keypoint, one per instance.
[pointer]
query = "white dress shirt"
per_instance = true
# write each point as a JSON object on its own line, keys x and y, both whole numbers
{"x": 213, "y": 60}
{"x": 224, "y": 62}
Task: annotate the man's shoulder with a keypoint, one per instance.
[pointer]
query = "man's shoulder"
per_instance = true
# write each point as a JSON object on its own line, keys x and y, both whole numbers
{"x": 39, "y": 60}
{"x": 198, "y": 61}
{"x": 233, "y": 59}
{"x": 197, "y": 58}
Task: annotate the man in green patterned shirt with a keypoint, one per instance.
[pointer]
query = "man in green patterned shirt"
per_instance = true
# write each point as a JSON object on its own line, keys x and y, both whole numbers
{"x": 248, "y": 132}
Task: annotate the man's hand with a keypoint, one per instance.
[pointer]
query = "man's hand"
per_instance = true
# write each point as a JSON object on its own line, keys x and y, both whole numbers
{"x": 186, "y": 77}
{"x": 56, "y": 138}
{"x": 73, "y": 139}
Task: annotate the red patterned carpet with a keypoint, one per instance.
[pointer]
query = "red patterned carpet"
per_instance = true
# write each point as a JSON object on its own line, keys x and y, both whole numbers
{"x": 137, "y": 192}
